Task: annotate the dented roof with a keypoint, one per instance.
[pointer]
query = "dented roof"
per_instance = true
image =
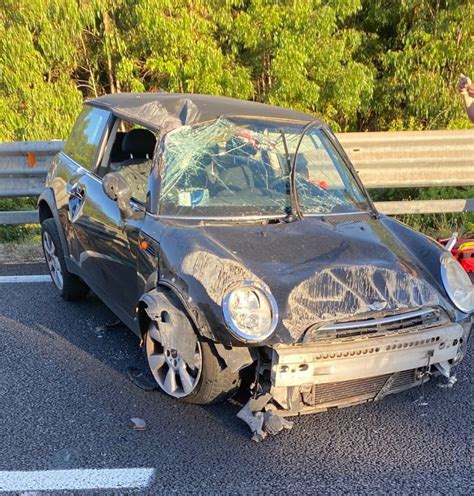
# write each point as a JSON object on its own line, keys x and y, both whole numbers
{"x": 166, "y": 111}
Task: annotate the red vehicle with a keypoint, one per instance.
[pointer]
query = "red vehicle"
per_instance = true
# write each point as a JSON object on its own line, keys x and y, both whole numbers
{"x": 463, "y": 252}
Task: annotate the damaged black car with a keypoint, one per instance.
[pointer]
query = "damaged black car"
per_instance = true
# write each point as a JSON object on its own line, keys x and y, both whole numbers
{"x": 237, "y": 241}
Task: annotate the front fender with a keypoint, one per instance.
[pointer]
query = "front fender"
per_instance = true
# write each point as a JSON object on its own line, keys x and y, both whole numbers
{"x": 176, "y": 330}
{"x": 153, "y": 300}
{"x": 427, "y": 252}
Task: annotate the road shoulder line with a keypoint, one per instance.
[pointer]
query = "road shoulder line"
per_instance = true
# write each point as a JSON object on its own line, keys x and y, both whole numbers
{"x": 24, "y": 279}
{"x": 76, "y": 479}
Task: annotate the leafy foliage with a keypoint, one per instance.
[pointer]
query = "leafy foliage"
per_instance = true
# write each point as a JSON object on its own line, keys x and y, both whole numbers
{"x": 358, "y": 64}
{"x": 419, "y": 48}
{"x": 437, "y": 225}
{"x": 25, "y": 233}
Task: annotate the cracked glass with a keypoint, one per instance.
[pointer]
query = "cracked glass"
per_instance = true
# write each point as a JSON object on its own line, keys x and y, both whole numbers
{"x": 237, "y": 167}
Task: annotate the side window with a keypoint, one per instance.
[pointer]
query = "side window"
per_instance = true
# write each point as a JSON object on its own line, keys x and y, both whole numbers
{"x": 86, "y": 136}
{"x": 131, "y": 151}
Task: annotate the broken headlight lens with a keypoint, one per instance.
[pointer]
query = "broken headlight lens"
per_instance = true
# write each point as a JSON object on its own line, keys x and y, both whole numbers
{"x": 250, "y": 312}
{"x": 457, "y": 283}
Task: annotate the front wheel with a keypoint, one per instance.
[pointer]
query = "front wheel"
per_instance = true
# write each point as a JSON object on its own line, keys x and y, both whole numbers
{"x": 194, "y": 375}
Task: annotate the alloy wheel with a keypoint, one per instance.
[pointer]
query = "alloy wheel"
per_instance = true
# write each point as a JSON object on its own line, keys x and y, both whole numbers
{"x": 175, "y": 376}
{"x": 52, "y": 259}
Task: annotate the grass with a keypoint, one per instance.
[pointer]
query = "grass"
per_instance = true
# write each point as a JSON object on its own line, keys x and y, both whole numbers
{"x": 24, "y": 233}
{"x": 435, "y": 225}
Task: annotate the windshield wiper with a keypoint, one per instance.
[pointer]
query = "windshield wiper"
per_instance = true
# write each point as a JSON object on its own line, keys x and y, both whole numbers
{"x": 294, "y": 212}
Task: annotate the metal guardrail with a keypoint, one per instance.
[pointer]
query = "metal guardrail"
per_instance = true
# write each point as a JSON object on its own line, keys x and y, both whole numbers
{"x": 19, "y": 217}
{"x": 402, "y": 159}
{"x": 409, "y": 159}
{"x": 24, "y": 165}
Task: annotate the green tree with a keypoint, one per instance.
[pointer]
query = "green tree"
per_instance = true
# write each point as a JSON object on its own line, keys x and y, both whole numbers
{"x": 301, "y": 54}
{"x": 419, "y": 48}
{"x": 358, "y": 64}
{"x": 38, "y": 98}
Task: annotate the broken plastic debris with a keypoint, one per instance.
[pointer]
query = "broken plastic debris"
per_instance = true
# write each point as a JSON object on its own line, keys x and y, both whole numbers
{"x": 421, "y": 401}
{"x": 445, "y": 370}
{"x": 251, "y": 415}
{"x": 261, "y": 424}
{"x": 137, "y": 424}
{"x": 448, "y": 385}
{"x": 273, "y": 424}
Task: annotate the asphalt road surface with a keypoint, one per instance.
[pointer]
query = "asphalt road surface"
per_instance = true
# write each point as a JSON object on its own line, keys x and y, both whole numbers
{"x": 66, "y": 403}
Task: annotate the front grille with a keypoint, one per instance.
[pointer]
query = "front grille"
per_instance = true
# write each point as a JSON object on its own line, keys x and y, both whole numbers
{"x": 409, "y": 321}
{"x": 357, "y": 389}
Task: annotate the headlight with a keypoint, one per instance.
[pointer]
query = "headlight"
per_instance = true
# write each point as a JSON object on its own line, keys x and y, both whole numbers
{"x": 250, "y": 312}
{"x": 457, "y": 283}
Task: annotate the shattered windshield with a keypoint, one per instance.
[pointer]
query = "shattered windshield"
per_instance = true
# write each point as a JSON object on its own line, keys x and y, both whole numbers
{"x": 237, "y": 167}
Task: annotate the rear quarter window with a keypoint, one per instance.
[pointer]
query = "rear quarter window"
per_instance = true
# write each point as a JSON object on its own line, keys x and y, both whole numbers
{"x": 86, "y": 136}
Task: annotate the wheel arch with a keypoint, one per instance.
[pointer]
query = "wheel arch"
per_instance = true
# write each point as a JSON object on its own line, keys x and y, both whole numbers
{"x": 44, "y": 211}
{"x": 47, "y": 210}
{"x": 46, "y": 204}
{"x": 148, "y": 307}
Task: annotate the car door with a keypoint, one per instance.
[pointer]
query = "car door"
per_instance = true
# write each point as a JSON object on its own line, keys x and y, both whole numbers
{"x": 102, "y": 242}
{"x": 78, "y": 158}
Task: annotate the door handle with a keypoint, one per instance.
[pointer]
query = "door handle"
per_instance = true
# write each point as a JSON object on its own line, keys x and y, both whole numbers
{"x": 76, "y": 194}
{"x": 75, "y": 191}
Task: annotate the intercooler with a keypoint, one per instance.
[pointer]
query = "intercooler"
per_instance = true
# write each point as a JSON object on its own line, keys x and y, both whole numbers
{"x": 357, "y": 390}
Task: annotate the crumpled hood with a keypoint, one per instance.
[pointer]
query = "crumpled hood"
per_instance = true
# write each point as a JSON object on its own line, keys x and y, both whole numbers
{"x": 317, "y": 271}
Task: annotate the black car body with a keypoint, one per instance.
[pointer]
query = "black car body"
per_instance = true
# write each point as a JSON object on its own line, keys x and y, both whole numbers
{"x": 236, "y": 239}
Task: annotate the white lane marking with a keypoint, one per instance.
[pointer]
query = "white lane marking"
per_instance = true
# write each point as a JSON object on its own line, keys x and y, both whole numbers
{"x": 77, "y": 479}
{"x": 22, "y": 279}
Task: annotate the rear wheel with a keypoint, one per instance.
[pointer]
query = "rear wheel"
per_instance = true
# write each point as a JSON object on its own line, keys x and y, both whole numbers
{"x": 69, "y": 285}
{"x": 196, "y": 378}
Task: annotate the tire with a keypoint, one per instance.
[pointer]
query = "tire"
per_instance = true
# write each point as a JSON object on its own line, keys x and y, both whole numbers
{"x": 214, "y": 383}
{"x": 70, "y": 286}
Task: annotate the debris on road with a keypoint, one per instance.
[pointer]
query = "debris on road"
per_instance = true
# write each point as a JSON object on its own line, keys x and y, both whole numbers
{"x": 262, "y": 423}
{"x": 108, "y": 326}
{"x": 448, "y": 385}
{"x": 138, "y": 424}
{"x": 273, "y": 423}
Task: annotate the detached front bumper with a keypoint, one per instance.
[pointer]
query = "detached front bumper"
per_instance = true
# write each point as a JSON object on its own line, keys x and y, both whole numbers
{"x": 315, "y": 377}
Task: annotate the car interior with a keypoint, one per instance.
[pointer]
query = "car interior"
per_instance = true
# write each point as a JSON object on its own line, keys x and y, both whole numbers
{"x": 131, "y": 155}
